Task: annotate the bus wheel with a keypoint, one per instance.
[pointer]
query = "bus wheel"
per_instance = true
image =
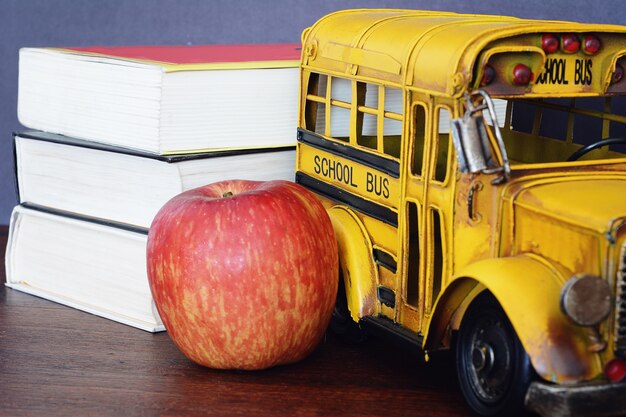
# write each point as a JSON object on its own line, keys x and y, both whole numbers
{"x": 493, "y": 368}
{"x": 341, "y": 323}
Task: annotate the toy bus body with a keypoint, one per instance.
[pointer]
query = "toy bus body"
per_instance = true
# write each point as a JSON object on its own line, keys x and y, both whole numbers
{"x": 445, "y": 200}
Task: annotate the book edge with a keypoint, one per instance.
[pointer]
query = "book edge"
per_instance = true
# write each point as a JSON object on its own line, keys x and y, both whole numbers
{"x": 16, "y": 216}
{"x": 82, "y": 217}
{"x": 164, "y": 157}
{"x": 86, "y": 307}
{"x": 171, "y": 66}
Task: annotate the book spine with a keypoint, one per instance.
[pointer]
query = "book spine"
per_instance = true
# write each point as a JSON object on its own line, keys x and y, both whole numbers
{"x": 82, "y": 217}
{"x": 16, "y": 184}
{"x": 11, "y": 242}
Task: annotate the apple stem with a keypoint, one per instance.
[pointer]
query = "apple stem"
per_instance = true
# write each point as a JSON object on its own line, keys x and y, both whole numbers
{"x": 227, "y": 194}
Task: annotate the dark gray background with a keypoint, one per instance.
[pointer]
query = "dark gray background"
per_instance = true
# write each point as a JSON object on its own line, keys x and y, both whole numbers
{"x": 150, "y": 22}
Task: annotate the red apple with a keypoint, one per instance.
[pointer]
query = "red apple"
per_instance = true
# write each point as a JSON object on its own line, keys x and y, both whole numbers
{"x": 244, "y": 274}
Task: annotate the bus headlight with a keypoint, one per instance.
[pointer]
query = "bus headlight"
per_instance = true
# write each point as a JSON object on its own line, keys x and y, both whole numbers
{"x": 586, "y": 299}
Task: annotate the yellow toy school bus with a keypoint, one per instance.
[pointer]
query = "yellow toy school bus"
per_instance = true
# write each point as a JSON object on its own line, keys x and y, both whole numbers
{"x": 472, "y": 167}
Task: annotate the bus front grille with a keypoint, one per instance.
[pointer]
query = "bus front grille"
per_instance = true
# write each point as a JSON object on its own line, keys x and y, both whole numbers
{"x": 620, "y": 304}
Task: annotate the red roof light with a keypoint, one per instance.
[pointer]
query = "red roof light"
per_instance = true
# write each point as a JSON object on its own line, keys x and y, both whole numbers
{"x": 488, "y": 75}
{"x": 549, "y": 43}
{"x": 618, "y": 74}
{"x": 591, "y": 44}
{"x": 570, "y": 43}
{"x": 522, "y": 75}
{"x": 615, "y": 370}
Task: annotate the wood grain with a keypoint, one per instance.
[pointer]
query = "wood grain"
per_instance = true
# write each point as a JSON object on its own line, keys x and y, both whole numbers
{"x": 56, "y": 361}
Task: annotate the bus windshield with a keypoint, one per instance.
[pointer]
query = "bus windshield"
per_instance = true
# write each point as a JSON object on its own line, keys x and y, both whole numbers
{"x": 547, "y": 130}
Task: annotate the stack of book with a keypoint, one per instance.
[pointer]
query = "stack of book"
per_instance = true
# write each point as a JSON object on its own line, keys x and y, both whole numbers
{"x": 118, "y": 131}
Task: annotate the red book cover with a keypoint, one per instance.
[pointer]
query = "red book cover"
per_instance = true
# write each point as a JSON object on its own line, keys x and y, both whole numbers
{"x": 179, "y": 57}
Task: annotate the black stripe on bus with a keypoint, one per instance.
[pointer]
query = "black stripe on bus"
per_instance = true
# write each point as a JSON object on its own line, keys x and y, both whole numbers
{"x": 370, "y": 208}
{"x": 377, "y": 162}
{"x": 384, "y": 259}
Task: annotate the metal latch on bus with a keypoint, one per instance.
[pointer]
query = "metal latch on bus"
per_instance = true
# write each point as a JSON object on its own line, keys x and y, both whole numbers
{"x": 474, "y": 138}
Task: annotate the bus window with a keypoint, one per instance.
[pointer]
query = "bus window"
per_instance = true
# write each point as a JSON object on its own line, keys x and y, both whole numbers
{"x": 551, "y": 130}
{"x": 316, "y": 98}
{"x": 330, "y": 102}
{"x": 438, "y": 254}
{"x": 321, "y": 100}
{"x": 419, "y": 136}
{"x": 367, "y": 115}
{"x": 392, "y": 129}
{"x": 340, "y": 104}
{"x": 379, "y": 118}
{"x": 412, "y": 280}
{"x": 443, "y": 144}
{"x": 559, "y": 120}
{"x": 588, "y": 128}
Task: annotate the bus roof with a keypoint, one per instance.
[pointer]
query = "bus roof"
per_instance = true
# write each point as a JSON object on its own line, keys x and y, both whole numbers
{"x": 430, "y": 50}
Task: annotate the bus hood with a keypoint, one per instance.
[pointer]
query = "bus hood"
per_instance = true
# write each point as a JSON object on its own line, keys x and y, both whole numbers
{"x": 583, "y": 203}
{"x": 567, "y": 220}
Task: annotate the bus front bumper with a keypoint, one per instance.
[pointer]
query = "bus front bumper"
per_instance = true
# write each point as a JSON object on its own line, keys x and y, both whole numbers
{"x": 598, "y": 399}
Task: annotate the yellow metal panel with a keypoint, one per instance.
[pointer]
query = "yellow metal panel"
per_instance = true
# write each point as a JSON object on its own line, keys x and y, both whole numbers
{"x": 349, "y": 175}
{"x": 359, "y": 271}
{"x": 384, "y": 235}
{"x": 437, "y": 51}
{"x": 376, "y": 60}
{"x": 588, "y": 202}
{"x": 571, "y": 246}
{"x": 528, "y": 290}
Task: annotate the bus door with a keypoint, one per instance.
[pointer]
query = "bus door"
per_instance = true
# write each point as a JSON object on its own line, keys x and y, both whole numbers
{"x": 412, "y": 211}
{"x": 439, "y": 207}
{"x": 427, "y": 207}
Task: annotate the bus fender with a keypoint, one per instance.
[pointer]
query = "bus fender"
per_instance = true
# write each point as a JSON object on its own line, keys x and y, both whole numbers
{"x": 528, "y": 289}
{"x": 356, "y": 262}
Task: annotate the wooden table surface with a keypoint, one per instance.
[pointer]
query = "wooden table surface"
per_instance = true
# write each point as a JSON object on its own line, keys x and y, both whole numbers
{"x": 56, "y": 361}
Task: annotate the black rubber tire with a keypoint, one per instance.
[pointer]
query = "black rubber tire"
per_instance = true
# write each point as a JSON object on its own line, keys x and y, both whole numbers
{"x": 341, "y": 323}
{"x": 493, "y": 368}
